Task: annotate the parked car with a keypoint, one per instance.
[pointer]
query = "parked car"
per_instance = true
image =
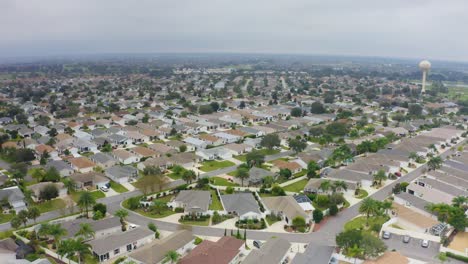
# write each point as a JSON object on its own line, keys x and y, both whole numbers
{"x": 257, "y": 244}
{"x": 386, "y": 235}
{"x": 132, "y": 226}
{"x": 398, "y": 174}
{"x": 406, "y": 239}
{"x": 104, "y": 189}
{"x": 425, "y": 243}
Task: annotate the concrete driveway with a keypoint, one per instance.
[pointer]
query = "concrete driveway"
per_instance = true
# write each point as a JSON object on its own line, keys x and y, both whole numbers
{"x": 413, "y": 249}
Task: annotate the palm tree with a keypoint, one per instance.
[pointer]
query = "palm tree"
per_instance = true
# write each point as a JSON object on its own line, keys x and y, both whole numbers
{"x": 80, "y": 248}
{"x": 369, "y": 207}
{"x": 441, "y": 210}
{"x": 65, "y": 249}
{"x": 69, "y": 184}
{"x": 325, "y": 186}
{"x": 380, "y": 176}
{"x": 171, "y": 256}
{"x": 122, "y": 214}
{"x": 340, "y": 185}
{"x": 34, "y": 213}
{"x": 242, "y": 174}
{"x": 189, "y": 176}
{"x": 56, "y": 231}
{"x": 86, "y": 231}
{"x": 413, "y": 156}
{"x": 432, "y": 147}
{"x": 354, "y": 252}
{"x": 435, "y": 163}
{"x": 86, "y": 200}
{"x": 459, "y": 201}
{"x": 386, "y": 205}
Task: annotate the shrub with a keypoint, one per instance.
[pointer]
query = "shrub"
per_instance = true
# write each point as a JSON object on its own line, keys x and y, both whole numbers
{"x": 198, "y": 240}
{"x": 179, "y": 210}
{"x": 229, "y": 190}
{"x": 277, "y": 191}
{"x": 49, "y": 192}
{"x": 97, "y": 215}
{"x": 322, "y": 200}
{"x": 216, "y": 218}
{"x": 457, "y": 257}
{"x": 100, "y": 207}
{"x": 317, "y": 216}
{"x": 333, "y": 209}
{"x": 298, "y": 222}
{"x": 133, "y": 203}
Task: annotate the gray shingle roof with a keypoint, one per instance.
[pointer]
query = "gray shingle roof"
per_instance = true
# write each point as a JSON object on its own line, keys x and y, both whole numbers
{"x": 109, "y": 243}
{"x": 272, "y": 251}
{"x": 240, "y": 203}
{"x": 314, "y": 254}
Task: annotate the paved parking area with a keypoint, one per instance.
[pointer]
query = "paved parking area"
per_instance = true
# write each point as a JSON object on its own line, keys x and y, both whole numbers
{"x": 413, "y": 249}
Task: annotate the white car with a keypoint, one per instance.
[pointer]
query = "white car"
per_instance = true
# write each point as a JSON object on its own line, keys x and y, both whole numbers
{"x": 104, "y": 189}
{"x": 386, "y": 235}
{"x": 425, "y": 243}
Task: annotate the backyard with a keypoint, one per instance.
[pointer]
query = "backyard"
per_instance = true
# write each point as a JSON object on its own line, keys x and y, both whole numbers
{"x": 212, "y": 165}
{"x": 50, "y": 205}
{"x": 222, "y": 182}
{"x": 296, "y": 187}
{"x": 215, "y": 203}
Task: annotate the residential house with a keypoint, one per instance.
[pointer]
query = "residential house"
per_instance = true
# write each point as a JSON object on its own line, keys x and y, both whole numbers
{"x": 14, "y": 196}
{"x": 121, "y": 174}
{"x": 211, "y": 140}
{"x": 91, "y": 180}
{"x": 315, "y": 253}
{"x": 294, "y": 167}
{"x": 214, "y": 153}
{"x": 180, "y": 241}
{"x": 226, "y": 250}
{"x": 38, "y": 187}
{"x": 256, "y": 176}
{"x": 193, "y": 202}
{"x": 275, "y": 250}
{"x": 195, "y": 143}
{"x": 243, "y": 205}
{"x": 120, "y": 243}
{"x": 286, "y": 207}
{"x": 227, "y": 138}
{"x": 238, "y": 149}
{"x": 103, "y": 160}
{"x": 125, "y": 157}
{"x": 82, "y": 164}
{"x": 61, "y": 166}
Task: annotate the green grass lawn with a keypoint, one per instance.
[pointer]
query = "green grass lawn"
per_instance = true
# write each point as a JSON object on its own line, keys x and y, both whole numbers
{"x": 215, "y": 203}
{"x": 118, "y": 187}
{"x": 360, "y": 222}
{"x": 362, "y": 194}
{"x": 265, "y": 152}
{"x": 297, "y": 186}
{"x": 299, "y": 174}
{"x": 174, "y": 176}
{"x": 271, "y": 220}
{"x": 222, "y": 182}
{"x": 4, "y": 218}
{"x": 205, "y": 222}
{"x": 212, "y": 165}
{"x": 51, "y": 205}
{"x": 151, "y": 214}
{"x": 96, "y": 194}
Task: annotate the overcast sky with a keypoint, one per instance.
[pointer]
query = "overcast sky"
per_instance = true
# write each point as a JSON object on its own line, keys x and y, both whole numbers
{"x": 433, "y": 29}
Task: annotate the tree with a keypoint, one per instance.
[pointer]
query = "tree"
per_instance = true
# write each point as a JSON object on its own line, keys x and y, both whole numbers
{"x": 385, "y": 120}
{"x": 348, "y": 239}
{"x": 333, "y": 209}
{"x": 299, "y": 222}
{"x": 297, "y": 145}
{"x": 80, "y": 248}
{"x": 69, "y": 184}
{"x": 122, "y": 214}
{"x": 325, "y": 185}
{"x": 23, "y": 216}
{"x": 415, "y": 110}
{"x": 368, "y": 207}
{"x": 317, "y": 108}
{"x": 52, "y": 175}
{"x": 296, "y": 112}
{"x": 435, "y": 163}
{"x": 339, "y": 185}
{"x": 85, "y": 201}
{"x": 16, "y": 222}
{"x": 34, "y": 213}
{"x": 183, "y": 148}
{"x": 270, "y": 141}
{"x": 317, "y": 215}
{"x": 354, "y": 252}
{"x": 18, "y": 170}
{"x": 86, "y": 231}
{"x": 242, "y": 174}
{"x": 189, "y": 176}
{"x": 255, "y": 158}
{"x": 158, "y": 206}
{"x": 101, "y": 208}
{"x": 171, "y": 256}
{"x": 48, "y": 192}
{"x": 65, "y": 249}
{"x": 337, "y": 129}
{"x": 276, "y": 190}
{"x": 56, "y": 231}
{"x": 285, "y": 173}
{"x": 372, "y": 246}
{"x": 460, "y": 201}
{"x": 154, "y": 228}
{"x": 312, "y": 168}
{"x": 458, "y": 219}
{"x": 380, "y": 176}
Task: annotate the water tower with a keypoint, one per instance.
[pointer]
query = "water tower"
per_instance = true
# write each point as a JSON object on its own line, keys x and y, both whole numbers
{"x": 424, "y": 66}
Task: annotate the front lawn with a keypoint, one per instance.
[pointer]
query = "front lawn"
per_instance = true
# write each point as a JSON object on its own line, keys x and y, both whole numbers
{"x": 271, "y": 219}
{"x": 200, "y": 222}
{"x": 50, "y": 205}
{"x": 4, "y": 218}
{"x": 222, "y": 182}
{"x": 360, "y": 223}
{"x": 215, "y": 203}
{"x": 297, "y": 186}
{"x": 118, "y": 187}
{"x": 212, "y": 165}
{"x": 148, "y": 212}
{"x": 75, "y": 195}
{"x": 362, "y": 194}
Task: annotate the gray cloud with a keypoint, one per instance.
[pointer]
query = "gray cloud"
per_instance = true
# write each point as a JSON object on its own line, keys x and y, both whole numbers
{"x": 431, "y": 29}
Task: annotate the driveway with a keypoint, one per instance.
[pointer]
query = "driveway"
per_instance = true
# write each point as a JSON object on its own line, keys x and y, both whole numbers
{"x": 413, "y": 249}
